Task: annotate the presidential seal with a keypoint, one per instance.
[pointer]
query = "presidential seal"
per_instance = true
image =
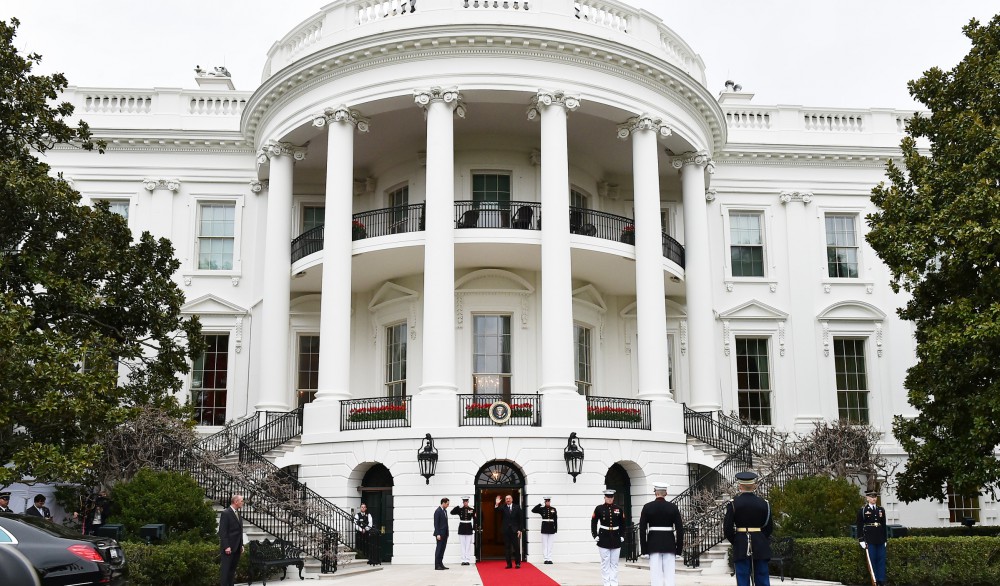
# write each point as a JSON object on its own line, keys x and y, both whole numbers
{"x": 500, "y": 412}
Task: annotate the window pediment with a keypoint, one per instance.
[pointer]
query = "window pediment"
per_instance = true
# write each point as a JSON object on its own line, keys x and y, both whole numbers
{"x": 212, "y": 305}
{"x": 851, "y": 311}
{"x": 493, "y": 281}
{"x": 753, "y": 309}
{"x": 390, "y": 293}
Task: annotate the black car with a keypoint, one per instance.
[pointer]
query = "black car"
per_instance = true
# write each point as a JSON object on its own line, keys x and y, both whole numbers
{"x": 62, "y": 556}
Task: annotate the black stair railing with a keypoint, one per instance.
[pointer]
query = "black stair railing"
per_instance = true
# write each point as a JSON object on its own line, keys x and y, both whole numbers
{"x": 714, "y": 431}
{"x": 227, "y": 440}
{"x": 280, "y": 427}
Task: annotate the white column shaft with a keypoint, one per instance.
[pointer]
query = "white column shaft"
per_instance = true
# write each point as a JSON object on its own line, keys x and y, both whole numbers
{"x": 704, "y": 391}
{"x": 556, "y": 364}
{"x": 651, "y": 326}
{"x": 335, "y": 307}
{"x": 274, "y": 392}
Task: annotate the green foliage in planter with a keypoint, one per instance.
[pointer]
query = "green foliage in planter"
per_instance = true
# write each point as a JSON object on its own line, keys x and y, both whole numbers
{"x": 177, "y": 564}
{"x": 614, "y": 414}
{"x": 171, "y": 498}
{"x": 911, "y": 561}
{"x": 817, "y": 506}
{"x": 377, "y": 413}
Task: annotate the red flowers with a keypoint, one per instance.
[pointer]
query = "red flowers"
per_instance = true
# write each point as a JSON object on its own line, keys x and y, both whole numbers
{"x": 358, "y": 224}
{"x": 483, "y": 409}
{"x": 628, "y": 228}
{"x": 377, "y": 413}
{"x": 615, "y": 414}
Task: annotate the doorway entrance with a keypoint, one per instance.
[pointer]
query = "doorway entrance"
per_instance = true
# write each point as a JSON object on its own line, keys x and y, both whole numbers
{"x": 376, "y": 493}
{"x": 497, "y": 478}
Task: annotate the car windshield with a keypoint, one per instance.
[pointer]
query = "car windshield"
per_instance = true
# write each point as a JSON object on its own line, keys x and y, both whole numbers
{"x": 50, "y": 527}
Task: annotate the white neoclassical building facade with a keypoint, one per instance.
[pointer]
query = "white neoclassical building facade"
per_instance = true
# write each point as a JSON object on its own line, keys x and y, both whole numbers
{"x": 538, "y": 204}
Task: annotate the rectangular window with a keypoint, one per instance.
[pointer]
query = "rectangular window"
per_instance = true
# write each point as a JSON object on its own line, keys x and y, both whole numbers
{"x": 670, "y": 362}
{"x": 216, "y": 235}
{"x": 308, "y": 369}
{"x": 395, "y": 360}
{"x": 117, "y": 206}
{"x": 491, "y": 187}
{"x": 581, "y": 347}
{"x": 746, "y": 248}
{"x": 313, "y": 217}
{"x": 491, "y": 362}
{"x": 578, "y": 199}
{"x": 962, "y": 504}
{"x": 852, "y": 379}
{"x": 841, "y": 246}
{"x": 753, "y": 375}
{"x": 209, "y": 380}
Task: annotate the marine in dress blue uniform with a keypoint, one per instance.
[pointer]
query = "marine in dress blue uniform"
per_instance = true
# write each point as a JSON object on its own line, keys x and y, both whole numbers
{"x": 661, "y": 536}
{"x": 550, "y": 526}
{"x": 748, "y": 526}
{"x": 466, "y": 519}
{"x": 872, "y": 534}
{"x": 606, "y": 527}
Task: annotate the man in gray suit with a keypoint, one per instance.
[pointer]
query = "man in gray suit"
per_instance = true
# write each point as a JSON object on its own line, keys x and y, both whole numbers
{"x": 441, "y": 534}
{"x": 231, "y": 539}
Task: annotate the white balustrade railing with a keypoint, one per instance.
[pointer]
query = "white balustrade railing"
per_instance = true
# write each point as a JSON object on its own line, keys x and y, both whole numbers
{"x": 305, "y": 36}
{"x": 612, "y": 16}
{"x": 752, "y": 119}
{"x": 833, "y": 122}
{"x": 118, "y": 103}
{"x": 497, "y": 4}
{"x": 216, "y": 106}
{"x": 374, "y": 10}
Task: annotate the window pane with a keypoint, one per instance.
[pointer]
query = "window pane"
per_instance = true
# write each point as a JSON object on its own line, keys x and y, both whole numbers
{"x": 746, "y": 244}
{"x": 753, "y": 380}
{"x": 841, "y": 246}
{"x": 209, "y": 381}
{"x": 582, "y": 355}
{"x": 491, "y": 361}
{"x": 395, "y": 360}
{"x": 851, "y": 379}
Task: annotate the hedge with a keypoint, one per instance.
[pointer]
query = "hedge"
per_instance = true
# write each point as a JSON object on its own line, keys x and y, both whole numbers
{"x": 177, "y": 563}
{"x": 957, "y": 531}
{"x": 910, "y": 561}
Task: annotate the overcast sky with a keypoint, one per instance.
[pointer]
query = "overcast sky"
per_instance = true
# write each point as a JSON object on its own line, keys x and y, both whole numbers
{"x": 844, "y": 53}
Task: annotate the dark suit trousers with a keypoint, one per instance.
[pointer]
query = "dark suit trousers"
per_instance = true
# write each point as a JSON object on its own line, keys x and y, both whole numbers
{"x": 510, "y": 544}
{"x": 439, "y": 551}
{"x": 229, "y": 564}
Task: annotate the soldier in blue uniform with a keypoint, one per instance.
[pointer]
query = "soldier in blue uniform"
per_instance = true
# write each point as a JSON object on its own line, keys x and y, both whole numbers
{"x": 606, "y": 527}
{"x": 466, "y": 519}
{"x": 550, "y": 525}
{"x": 872, "y": 534}
{"x": 661, "y": 536}
{"x": 748, "y": 526}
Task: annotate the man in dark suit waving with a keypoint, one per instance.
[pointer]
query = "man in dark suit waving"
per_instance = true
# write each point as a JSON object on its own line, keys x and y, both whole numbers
{"x": 510, "y": 526}
{"x": 231, "y": 539}
{"x": 441, "y": 533}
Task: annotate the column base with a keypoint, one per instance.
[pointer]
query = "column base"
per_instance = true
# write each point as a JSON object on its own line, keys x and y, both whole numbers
{"x": 704, "y": 407}
{"x": 272, "y": 407}
{"x": 438, "y": 408}
{"x": 321, "y": 422}
{"x": 666, "y": 416}
{"x": 807, "y": 423}
{"x": 564, "y": 409}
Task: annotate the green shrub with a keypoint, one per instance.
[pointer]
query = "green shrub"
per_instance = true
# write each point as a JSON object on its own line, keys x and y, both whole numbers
{"x": 910, "y": 561}
{"x": 171, "y": 498}
{"x": 976, "y": 530}
{"x": 817, "y": 506}
{"x": 177, "y": 564}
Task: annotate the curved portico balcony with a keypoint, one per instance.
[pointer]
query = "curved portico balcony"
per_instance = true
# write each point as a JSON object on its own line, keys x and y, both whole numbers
{"x": 508, "y": 215}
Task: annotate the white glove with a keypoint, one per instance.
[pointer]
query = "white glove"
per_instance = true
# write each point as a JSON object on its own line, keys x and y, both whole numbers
{"x": 863, "y": 545}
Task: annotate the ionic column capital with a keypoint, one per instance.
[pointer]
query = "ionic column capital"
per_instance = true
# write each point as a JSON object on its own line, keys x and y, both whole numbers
{"x": 273, "y": 148}
{"x": 256, "y": 186}
{"x": 342, "y": 114}
{"x": 643, "y": 122}
{"x": 450, "y": 96}
{"x": 152, "y": 185}
{"x": 789, "y": 196}
{"x": 699, "y": 159}
{"x": 546, "y": 98}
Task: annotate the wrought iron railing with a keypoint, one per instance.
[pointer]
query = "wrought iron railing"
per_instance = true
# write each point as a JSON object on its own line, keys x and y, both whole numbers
{"x": 764, "y": 440}
{"x": 309, "y": 242}
{"x": 280, "y": 427}
{"x": 475, "y": 409}
{"x": 385, "y": 221}
{"x": 227, "y": 439}
{"x": 716, "y": 431}
{"x": 520, "y": 215}
{"x": 375, "y": 413}
{"x": 618, "y": 413}
{"x": 673, "y": 250}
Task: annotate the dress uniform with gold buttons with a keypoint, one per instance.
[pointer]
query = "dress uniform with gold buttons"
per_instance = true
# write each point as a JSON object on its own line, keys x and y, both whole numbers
{"x": 748, "y": 526}
{"x": 466, "y": 519}
{"x": 550, "y": 526}
{"x": 606, "y": 527}
{"x": 872, "y": 534}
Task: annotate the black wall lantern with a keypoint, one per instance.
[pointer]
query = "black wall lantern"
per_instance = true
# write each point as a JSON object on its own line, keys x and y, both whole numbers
{"x": 427, "y": 458}
{"x": 574, "y": 456}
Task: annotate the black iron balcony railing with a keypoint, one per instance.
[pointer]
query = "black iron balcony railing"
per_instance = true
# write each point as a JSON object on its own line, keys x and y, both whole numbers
{"x": 309, "y": 242}
{"x": 475, "y": 409}
{"x": 385, "y": 221}
{"x": 519, "y": 215}
{"x": 375, "y": 413}
{"x": 618, "y": 413}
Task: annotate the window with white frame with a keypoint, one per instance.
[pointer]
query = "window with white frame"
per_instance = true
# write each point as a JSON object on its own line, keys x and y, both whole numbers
{"x": 308, "y": 369}
{"x": 210, "y": 381}
{"x": 753, "y": 376}
{"x": 491, "y": 186}
{"x": 962, "y": 504}
{"x": 395, "y": 360}
{"x": 852, "y": 379}
{"x": 116, "y": 206}
{"x": 312, "y": 217}
{"x": 216, "y": 236}
{"x": 582, "y": 355}
{"x": 491, "y": 355}
{"x": 578, "y": 199}
{"x": 841, "y": 246}
{"x": 670, "y": 362}
{"x": 746, "y": 243}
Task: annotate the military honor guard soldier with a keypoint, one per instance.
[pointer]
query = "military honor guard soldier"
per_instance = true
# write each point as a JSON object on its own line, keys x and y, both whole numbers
{"x": 550, "y": 525}
{"x": 466, "y": 520}
{"x": 748, "y": 526}
{"x": 661, "y": 536}
{"x": 872, "y": 534}
{"x": 5, "y": 502}
{"x": 606, "y": 527}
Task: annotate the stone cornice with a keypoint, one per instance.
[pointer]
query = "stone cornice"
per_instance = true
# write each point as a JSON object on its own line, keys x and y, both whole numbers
{"x": 802, "y": 158}
{"x": 485, "y": 40}
{"x": 342, "y": 114}
{"x": 231, "y": 143}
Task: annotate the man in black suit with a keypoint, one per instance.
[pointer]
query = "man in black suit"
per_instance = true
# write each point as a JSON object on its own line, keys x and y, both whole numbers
{"x": 441, "y": 533}
{"x": 511, "y": 527}
{"x": 39, "y": 510}
{"x": 748, "y": 526}
{"x": 5, "y": 502}
{"x": 231, "y": 539}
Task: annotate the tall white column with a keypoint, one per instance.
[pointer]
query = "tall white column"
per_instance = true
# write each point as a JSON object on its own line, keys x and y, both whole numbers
{"x": 651, "y": 326}
{"x": 436, "y": 405}
{"x": 334, "y": 382}
{"x": 562, "y": 405}
{"x": 704, "y": 381}
{"x": 274, "y": 391}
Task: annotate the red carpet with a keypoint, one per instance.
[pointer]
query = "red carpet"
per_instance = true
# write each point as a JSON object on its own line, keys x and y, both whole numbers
{"x": 493, "y": 574}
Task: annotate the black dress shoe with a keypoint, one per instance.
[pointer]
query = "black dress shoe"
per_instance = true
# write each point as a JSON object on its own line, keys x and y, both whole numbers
{"x": 439, "y": 568}
{"x": 548, "y": 561}
{"x": 507, "y": 567}
{"x": 444, "y": 567}
{"x": 518, "y": 566}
